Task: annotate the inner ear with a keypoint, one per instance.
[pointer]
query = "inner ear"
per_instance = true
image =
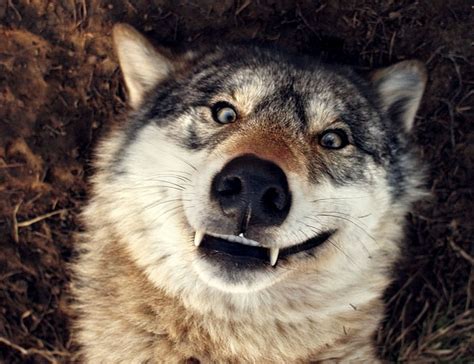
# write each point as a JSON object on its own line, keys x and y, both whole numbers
{"x": 400, "y": 88}
{"x": 142, "y": 65}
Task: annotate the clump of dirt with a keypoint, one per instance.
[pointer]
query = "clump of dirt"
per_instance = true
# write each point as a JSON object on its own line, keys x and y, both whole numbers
{"x": 60, "y": 88}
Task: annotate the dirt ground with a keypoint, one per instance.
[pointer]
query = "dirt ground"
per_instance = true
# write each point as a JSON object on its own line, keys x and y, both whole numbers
{"x": 60, "y": 89}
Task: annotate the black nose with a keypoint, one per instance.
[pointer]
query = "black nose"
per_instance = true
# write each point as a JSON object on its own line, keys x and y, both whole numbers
{"x": 253, "y": 191}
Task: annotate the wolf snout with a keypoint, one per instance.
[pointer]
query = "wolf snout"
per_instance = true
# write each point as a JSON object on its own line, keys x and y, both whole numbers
{"x": 253, "y": 191}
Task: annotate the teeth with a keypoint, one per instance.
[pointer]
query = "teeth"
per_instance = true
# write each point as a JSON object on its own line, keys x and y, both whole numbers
{"x": 274, "y": 252}
{"x": 198, "y": 237}
{"x": 274, "y": 256}
{"x": 238, "y": 239}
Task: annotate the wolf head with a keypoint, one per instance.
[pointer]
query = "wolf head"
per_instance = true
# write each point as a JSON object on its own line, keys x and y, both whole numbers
{"x": 249, "y": 176}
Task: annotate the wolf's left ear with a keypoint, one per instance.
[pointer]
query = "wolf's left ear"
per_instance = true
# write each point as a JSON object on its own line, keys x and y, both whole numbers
{"x": 143, "y": 67}
{"x": 400, "y": 88}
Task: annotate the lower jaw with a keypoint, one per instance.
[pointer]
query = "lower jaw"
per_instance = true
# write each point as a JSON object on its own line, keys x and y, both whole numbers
{"x": 236, "y": 281}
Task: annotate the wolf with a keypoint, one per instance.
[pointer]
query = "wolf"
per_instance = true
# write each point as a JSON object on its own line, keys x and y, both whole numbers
{"x": 250, "y": 210}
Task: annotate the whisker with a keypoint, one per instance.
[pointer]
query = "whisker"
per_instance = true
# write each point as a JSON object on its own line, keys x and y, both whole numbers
{"x": 182, "y": 178}
{"x": 141, "y": 179}
{"x": 338, "y": 198}
{"x": 341, "y": 199}
{"x": 345, "y": 219}
{"x": 159, "y": 175}
{"x": 174, "y": 208}
{"x": 171, "y": 215}
{"x": 161, "y": 202}
{"x": 333, "y": 243}
{"x": 171, "y": 185}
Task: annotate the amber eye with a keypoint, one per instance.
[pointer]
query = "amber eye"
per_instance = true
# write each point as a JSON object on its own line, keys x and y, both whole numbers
{"x": 224, "y": 113}
{"x": 333, "y": 139}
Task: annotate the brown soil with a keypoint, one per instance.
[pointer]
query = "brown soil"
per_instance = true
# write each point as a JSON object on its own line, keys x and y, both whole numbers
{"x": 60, "y": 88}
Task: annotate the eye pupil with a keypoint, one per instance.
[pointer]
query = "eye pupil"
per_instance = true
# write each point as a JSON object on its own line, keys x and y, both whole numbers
{"x": 224, "y": 113}
{"x": 227, "y": 115}
{"x": 330, "y": 140}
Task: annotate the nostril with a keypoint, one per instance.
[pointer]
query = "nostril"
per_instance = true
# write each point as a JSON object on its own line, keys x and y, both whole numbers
{"x": 229, "y": 186}
{"x": 275, "y": 199}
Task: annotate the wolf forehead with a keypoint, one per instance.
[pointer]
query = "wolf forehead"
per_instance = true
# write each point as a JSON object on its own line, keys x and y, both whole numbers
{"x": 262, "y": 79}
{"x": 269, "y": 86}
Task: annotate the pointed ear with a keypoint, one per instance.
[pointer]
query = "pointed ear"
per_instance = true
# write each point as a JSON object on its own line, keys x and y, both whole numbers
{"x": 143, "y": 67}
{"x": 400, "y": 88}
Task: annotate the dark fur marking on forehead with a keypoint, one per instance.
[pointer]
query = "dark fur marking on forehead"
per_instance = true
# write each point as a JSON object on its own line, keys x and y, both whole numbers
{"x": 283, "y": 104}
{"x": 289, "y": 95}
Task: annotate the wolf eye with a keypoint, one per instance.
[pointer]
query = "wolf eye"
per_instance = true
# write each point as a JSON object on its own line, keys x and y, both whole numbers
{"x": 333, "y": 139}
{"x": 224, "y": 113}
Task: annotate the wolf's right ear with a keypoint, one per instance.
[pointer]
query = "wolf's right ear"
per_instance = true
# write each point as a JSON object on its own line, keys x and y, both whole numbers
{"x": 143, "y": 67}
{"x": 400, "y": 88}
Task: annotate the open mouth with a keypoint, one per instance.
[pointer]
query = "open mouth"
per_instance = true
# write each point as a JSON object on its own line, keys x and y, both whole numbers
{"x": 241, "y": 247}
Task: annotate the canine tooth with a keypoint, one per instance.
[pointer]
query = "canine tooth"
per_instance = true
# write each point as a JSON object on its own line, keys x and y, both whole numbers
{"x": 274, "y": 255}
{"x": 198, "y": 237}
{"x": 241, "y": 235}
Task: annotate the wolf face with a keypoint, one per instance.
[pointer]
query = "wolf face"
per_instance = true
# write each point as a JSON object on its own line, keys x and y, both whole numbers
{"x": 248, "y": 179}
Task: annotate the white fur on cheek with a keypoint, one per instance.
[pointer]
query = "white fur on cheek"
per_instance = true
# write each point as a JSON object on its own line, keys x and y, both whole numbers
{"x": 150, "y": 196}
